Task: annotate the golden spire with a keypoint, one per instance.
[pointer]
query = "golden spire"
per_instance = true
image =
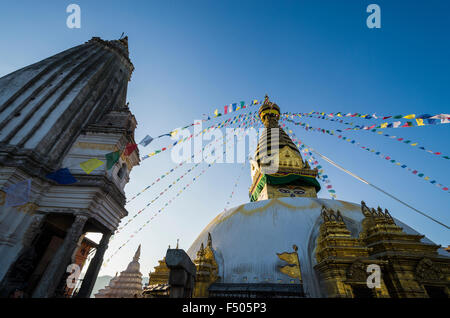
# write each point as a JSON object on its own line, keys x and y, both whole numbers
{"x": 278, "y": 169}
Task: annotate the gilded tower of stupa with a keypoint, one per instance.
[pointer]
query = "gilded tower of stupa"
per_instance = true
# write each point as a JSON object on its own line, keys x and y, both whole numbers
{"x": 279, "y": 169}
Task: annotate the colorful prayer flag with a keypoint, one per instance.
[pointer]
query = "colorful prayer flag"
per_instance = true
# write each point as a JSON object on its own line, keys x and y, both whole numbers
{"x": 111, "y": 159}
{"x": 445, "y": 118}
{"x": 90, "y": 165}
{"x": 62, "y": 176}
{"x": 147, "y": 139}
{"x": 130, "y": 148}
{"x": 18, "y": 194}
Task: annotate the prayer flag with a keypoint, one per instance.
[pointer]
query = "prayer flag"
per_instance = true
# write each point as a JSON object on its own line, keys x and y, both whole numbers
{"x": 112, "y": 158}
{"x": 130, "y": 148}
{"x": 411, "y": 116}
{"x": 445, "y": 118}
{"x": 62, "y": 176}
{"x": 18, "y": 194}
{"x": 147, "y": 139}
{"x": 90, "y": 165}
{"x": 419, "y": 122}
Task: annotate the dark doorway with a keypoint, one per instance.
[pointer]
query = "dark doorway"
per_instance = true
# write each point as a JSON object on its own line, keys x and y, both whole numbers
{"x": 362, "y": 291}
{"x": 46, "y": 246}
{"x": 435, "y": 292}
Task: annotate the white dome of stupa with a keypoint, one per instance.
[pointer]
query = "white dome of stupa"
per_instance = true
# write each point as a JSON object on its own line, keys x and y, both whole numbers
{"x": 247, "y": 238}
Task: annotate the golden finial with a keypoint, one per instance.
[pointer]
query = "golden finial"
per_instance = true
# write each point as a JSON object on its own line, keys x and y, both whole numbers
{"x": 209, "y": 240}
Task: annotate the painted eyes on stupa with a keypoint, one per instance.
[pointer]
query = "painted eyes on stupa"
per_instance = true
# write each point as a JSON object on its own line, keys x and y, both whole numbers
{"x": 295, "y": 191}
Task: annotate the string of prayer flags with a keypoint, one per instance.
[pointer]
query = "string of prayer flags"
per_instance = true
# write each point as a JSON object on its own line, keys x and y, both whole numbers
{"x": 314, "y": 163}
{"x": 146, "y": 141}
{"x": 173, "y": 183}
{"x": 439, "y": 118}
{"x": 157, "y": 197}
{"x": 129, "y": 149}
{"x": 379, "y": 132}
{"x": 234, "y": 188}
{"x": 421, "y": 120}
{"x": 90, "y": 165}
{"x": 155, "y": 214}
{"x": 234, "y": 107}
{"x": 179, "y": 165}
{"x": 111, "y": 159}
{"x": 62, "y": 176}
{"x": 389, "y": 158}
{"x": 18, "y": 194}
{"x": 249, "y": 115}
{"x": 158, "y": 212}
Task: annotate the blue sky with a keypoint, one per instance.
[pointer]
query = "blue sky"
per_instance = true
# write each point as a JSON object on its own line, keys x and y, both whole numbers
{"x": 192, "y": 57}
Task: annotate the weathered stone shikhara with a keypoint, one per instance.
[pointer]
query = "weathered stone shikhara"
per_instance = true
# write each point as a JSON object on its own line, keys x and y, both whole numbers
{"x": 128, "y": 284}
{"x": 243, "y": 252}
{"x": 55, "y": 114}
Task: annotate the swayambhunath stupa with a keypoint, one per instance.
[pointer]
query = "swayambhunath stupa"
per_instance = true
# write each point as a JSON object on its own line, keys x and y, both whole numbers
{"x": 104, "y": 162}
{"x": 289, "y": 243}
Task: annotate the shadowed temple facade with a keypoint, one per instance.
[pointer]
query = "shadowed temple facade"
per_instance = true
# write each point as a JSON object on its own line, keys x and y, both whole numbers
{"x": 54, "y": 115}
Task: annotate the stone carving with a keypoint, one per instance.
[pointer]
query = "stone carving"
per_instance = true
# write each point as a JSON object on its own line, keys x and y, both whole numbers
{"x": 378, "y": 213}
{"x": 357, "y": 272}
{"x": 426, "y": 270}
{"x": 365, "y": 210}
{"x": 329, "y": 215}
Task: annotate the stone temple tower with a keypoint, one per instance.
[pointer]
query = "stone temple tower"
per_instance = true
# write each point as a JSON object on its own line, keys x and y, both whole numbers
{"x": 55, "y": 114}
{"x": 290, "y": 175}
{"x": 128, "y": 284}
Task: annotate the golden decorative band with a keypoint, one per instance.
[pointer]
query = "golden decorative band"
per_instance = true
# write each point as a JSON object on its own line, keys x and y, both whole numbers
{"x": 91, "y": 145}
{"x": 269, "y": 111}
